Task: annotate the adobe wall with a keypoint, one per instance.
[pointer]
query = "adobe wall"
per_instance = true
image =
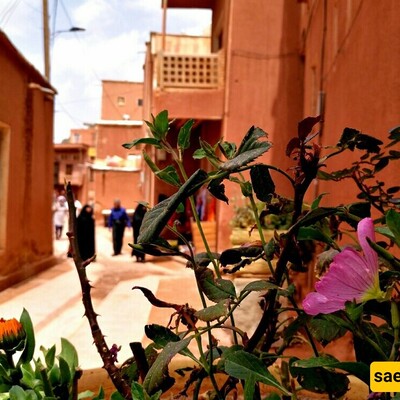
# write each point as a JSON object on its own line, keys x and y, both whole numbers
{"x": 110, "y": 139}
{"x": 27, "y": 115}
{"x": 263, "y": 82}
{"x": 131, "y": 92}
{"x": 360, "y": 77}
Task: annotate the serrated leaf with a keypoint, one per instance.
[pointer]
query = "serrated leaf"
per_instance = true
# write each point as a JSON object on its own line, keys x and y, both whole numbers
{"x": 155, "y": 219}
{"x": 184, "y": 135}
{"x": 243, "y": 365}
{"x": 250, "y": 141}
{"x": 214, "y": 312}
{"x": 215, "y": 289}
{"x": 262, "y": 182}
{"x": 245, "y": 158}
{"x": 258, "y": 286}
{"x": 157, "y": 377}
{"x": 250, "y": 149}
{"x": 228, "y": 149}
{"x": 151, "y": 141}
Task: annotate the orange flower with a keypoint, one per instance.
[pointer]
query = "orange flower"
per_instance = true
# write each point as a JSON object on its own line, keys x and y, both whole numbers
{"x": 12, "y": 334}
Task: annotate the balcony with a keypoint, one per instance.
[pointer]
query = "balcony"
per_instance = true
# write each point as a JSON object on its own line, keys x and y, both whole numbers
{"x": 189, "y": 86}
{"x": 189, "y": 71}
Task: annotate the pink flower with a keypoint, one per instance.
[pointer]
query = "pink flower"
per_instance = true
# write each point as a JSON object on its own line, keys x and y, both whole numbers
{"x": 351, "y": 276}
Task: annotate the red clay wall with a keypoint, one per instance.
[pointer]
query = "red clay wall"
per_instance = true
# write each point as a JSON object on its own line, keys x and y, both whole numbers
{"x": 360, "y": 76}
{"x": 263, "y": 81}
{"x": 27, "y": 115}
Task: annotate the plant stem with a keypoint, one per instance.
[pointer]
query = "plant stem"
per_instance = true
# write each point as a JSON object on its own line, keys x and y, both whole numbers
{"x": 113, "y": 371}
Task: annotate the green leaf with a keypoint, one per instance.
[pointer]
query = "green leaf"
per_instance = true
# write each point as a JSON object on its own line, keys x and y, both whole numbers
{"x": 250, "y": 141}
{"x": 184, "y": 135}
{"x": 263, "y": 185}
{"x": 314, "y": 216}
{"x": 215, "y": 289}
{"x": 250, "y": 149}
{"x": 157, "y": 377}
{"x": 358, "y": 369}
{"x": 49, "y": 355}
{"x": 313, "y": 233}
{"x": 65, "y": 372}
{"x": 155, "y": 219}
{"x": 393, "y": 223}
{"x": 29, "y": 349}
{"x": 138, "y": 392}
{"x": 258, "y": 286}
{"x": 69, "y": 354}
{"x": 161, "y": 336}
{"x": 117, "y": 396}
{"x": 243, "y": 365}
{"x": 169, "y": 175}
{"x": 213, "y": 312}
{"x": 150, "y": 163}
{"x": 161, "y": 124}
{"x": 151, "y": 141}
{"x": 325, "y": 330}
{"x": 228, "y": 149}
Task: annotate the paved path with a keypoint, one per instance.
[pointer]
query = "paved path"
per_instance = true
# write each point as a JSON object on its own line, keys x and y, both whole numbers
{"x": 53, "y": 298}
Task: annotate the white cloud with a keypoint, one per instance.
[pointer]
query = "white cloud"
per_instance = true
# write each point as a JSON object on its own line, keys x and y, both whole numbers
{"x": 111, "y": 47}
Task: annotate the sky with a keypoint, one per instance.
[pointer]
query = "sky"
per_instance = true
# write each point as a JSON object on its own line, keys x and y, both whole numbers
{"x": 112, "y": 46}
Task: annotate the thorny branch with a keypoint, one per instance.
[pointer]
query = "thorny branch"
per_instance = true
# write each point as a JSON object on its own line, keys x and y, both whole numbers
{"x": 106, "y": 355}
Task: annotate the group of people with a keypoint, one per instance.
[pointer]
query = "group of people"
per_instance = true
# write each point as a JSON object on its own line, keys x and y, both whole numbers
{"x": 85, "y": 225}
{"x": 119, "y": 220}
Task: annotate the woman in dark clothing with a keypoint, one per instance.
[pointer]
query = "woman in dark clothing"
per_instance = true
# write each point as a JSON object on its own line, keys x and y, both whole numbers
{"x": 137, "y": 219}
{"x": 86, "y": 232}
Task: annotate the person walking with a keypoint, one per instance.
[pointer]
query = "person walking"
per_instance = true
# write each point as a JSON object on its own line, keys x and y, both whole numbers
{"x": 60, "y": 212}
{"x": 117, "y": 221}
{"x": 137, "y": 220}
{"x": 85, "y": 226}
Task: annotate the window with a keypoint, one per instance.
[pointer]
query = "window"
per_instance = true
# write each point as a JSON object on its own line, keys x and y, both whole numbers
{"x": 68, "y": 169}
{"x": 4, "y": 168}
{"x": 140, "y": 102}
{"x": 121, "y": 100}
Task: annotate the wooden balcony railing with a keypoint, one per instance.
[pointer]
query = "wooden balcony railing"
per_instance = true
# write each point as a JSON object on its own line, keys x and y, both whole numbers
{"x": 189, "y": 71}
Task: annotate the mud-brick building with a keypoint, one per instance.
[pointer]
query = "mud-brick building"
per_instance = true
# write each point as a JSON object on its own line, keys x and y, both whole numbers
{"x": 26, "y": 165}
{"x": 272, "y": 63}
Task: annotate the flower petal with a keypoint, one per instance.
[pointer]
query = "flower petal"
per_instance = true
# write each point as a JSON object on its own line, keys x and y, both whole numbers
{"x": 365, "y": 229}
{"x": 316, "y": 303}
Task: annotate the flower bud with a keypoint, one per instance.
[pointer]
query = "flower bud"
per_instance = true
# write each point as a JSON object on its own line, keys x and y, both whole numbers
{"x": 12, "y": 334}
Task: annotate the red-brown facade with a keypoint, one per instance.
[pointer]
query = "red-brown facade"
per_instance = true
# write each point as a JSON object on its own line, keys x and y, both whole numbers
{"x": 26, "y": 157}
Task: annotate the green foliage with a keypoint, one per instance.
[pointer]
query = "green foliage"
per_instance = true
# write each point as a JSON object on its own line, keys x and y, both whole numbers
{"x": 245, "y": 364}
{"x": 35, "y": 379}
